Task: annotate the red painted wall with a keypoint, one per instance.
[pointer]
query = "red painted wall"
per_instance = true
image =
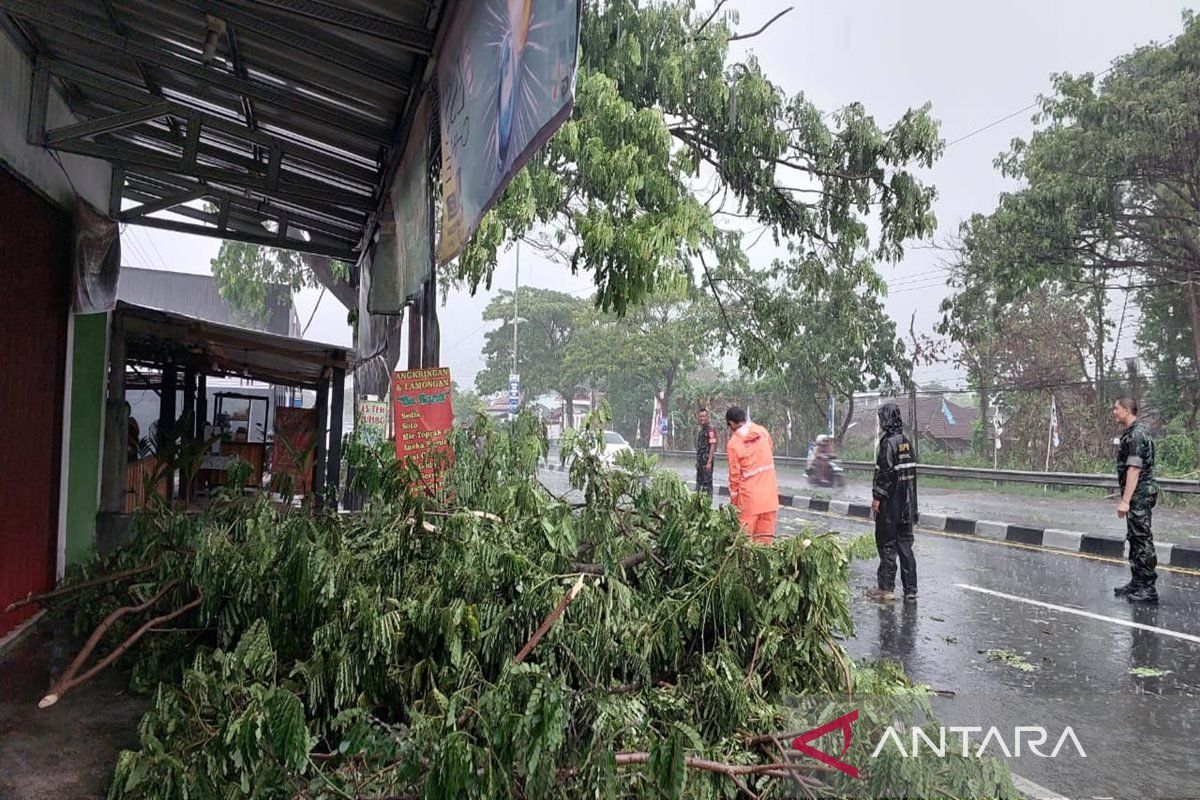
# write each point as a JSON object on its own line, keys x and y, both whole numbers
{"x": 35, "y": 248}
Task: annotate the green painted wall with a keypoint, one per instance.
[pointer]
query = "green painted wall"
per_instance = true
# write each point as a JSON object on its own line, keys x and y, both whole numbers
{"x": 87, "y": 416}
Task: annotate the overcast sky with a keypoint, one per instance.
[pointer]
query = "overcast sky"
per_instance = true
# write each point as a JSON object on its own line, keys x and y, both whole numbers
{"x": 975, "y": 62}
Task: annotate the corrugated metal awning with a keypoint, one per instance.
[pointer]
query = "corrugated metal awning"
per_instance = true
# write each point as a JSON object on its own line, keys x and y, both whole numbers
{"x": 162, "y": 337}
{"x": 275, "y": 122}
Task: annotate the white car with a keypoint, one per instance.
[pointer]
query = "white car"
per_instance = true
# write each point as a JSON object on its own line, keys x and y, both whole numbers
{"x": 614, "y": 443}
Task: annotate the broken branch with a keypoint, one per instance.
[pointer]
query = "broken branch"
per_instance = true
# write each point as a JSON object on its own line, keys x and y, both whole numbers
{"x": 76, "y": 587}
{"x": 66, "y": 684}
{"x": 550, "y": 620}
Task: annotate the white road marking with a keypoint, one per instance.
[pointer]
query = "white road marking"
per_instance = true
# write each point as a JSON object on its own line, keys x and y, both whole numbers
{"x": 1033, "y": 791}
{"x": 1187, "y": 637}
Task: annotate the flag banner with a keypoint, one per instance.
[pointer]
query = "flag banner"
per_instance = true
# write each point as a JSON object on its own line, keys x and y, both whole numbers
{"x": 1053, "y": 421}
{"x": 506, "y": 82}
{"x": 656, "y": 425}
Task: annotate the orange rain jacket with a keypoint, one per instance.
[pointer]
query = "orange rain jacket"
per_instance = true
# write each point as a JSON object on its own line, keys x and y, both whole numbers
{"x": 751, "y": 456}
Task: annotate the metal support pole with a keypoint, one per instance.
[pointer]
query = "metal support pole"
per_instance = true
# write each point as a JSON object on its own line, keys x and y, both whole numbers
{"x": 334, "y": 458}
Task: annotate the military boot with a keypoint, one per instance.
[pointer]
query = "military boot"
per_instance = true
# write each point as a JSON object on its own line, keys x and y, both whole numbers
{"x": 1122, "y": 591}
{"x": 1143, "y": 594}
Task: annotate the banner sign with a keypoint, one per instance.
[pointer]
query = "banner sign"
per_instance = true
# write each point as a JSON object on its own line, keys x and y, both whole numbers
{"x": 403, "y": 258}
{"x": 506, "y": 82}
{"x": 423, "y": 418}
{"x": 294, "y": 451}
{"x": 657, "y": 425}
{"x": 514, "y": 393}
{"x": 373, "y": 419}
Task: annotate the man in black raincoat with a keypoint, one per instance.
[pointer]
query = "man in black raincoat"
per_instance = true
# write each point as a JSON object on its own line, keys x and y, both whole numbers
{"x": 894, "y": 501}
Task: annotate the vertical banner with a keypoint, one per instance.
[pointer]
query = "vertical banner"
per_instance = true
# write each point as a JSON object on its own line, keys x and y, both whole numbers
{"x": 423, "y": 418}
{"x": 506, "y": 82}
{"x": 294, "y": 450}
{"x": 373, "y": 419}
{"x": 403, "y": 255}
{"x": 657, "y": 424}
{"x": 514, "y": 394}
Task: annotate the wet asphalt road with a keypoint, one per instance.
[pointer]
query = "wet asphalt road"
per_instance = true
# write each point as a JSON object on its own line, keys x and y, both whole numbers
{"x": 1139, "y": 732}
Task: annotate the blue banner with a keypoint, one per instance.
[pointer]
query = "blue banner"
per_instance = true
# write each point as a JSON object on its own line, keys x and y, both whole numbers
{"x": 506, "y": 81}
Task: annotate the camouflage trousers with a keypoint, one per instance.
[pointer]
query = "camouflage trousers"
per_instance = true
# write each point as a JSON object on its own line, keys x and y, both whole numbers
{"x": 1142, "y": 558}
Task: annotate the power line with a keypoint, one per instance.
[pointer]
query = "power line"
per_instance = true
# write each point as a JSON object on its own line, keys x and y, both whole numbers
{"x": 1033, "y": 105}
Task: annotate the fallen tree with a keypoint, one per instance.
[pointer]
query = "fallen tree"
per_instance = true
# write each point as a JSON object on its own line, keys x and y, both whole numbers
{"x": 492, "y": 641}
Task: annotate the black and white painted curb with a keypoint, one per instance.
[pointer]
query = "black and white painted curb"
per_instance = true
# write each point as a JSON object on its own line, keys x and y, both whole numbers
{"x": 1175, "y": 555}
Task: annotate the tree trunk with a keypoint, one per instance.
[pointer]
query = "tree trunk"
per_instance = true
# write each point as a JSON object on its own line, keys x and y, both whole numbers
{"x": 985, "y": 408}
{"x": 841, "y": 437}
{"x": 568, "y": 410}
{"x": 321, "y": 266}
{"x": 1193, "y": 304}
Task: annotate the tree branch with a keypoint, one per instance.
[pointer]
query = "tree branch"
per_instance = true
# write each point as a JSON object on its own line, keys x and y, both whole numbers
{"x": 768, "y": 24}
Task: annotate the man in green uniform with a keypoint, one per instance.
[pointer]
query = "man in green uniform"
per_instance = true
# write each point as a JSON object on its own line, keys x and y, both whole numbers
{"x": 1139, "y": 493}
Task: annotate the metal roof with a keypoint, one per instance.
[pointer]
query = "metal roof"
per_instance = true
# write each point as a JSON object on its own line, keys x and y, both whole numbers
{"x": 197, "y": 296}
{"x": 156, "y": 337}
{"x": 286, "y": 117}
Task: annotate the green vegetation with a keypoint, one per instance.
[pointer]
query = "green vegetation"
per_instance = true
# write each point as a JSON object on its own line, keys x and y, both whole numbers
{"x": 398, "y": 651}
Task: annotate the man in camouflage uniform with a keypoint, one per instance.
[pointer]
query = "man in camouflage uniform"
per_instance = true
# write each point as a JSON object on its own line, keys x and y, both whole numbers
{"x": 1139, "y": 493}
{"x": 706, "y": 447}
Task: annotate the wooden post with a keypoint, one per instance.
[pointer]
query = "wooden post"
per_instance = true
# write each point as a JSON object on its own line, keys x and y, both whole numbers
{"x": 319, "y": 464}
{"x": 201, "y": 405}
{"x": 116, "y": 427}
{"x": 414, "y": 334}
{"x": 431, "y": 339}
{"x": 188, "y": 433}
{"x": 334, "y": 456}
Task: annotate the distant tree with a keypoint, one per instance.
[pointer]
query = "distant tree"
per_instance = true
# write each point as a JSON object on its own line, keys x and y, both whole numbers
{"x": 652, "y": 349}
{"x": 548, "y": 327}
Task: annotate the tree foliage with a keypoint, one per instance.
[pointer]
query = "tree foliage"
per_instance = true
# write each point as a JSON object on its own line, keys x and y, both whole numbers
{"x": 1113, "y": 188}
{"x": 375, "y": 654}
{"x": 662, "y": 107}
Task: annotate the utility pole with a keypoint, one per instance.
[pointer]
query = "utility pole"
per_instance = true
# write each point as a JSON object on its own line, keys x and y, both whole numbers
{"x": 514, "y": 380}
{"x": 516, "y": 289}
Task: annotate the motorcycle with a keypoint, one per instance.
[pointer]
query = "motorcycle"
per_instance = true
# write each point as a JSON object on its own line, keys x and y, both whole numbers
{"x": 832, "y": 479}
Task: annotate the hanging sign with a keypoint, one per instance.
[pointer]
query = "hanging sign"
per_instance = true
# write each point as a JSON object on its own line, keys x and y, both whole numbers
{"x": 373, "y": 419}
{"x": 423, "y": 418}
{"x": 506, "y": 82}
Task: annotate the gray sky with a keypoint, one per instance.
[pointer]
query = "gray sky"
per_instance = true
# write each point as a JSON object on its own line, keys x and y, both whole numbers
{"x": 976, "y": 62}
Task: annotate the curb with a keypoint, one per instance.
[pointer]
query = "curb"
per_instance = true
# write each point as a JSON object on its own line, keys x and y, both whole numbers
{"x": 1173, "y": 555}
{"x": 1169, "y": 554}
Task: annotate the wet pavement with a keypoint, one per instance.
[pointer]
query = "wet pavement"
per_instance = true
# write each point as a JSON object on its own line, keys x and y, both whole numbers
{"x": 1082, "y": 656}
{"x": 67, "y": 751}
{"x": 1089, "y": 515}
{"x": 1027, "y": 637}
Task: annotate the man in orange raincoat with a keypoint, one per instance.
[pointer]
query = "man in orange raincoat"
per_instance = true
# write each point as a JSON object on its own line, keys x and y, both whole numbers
{"x": 753, "y": 490}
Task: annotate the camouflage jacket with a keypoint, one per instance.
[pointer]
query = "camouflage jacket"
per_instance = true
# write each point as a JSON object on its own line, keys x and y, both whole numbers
{"x": 1136, "y": 449}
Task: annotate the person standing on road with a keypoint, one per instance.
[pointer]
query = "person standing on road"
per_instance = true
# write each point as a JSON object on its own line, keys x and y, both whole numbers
{"x": 1139, "y": 494}
{"x": 706, "y": 448}
{"x": 894, "y": 501}
{"x": 753, "y": 490}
